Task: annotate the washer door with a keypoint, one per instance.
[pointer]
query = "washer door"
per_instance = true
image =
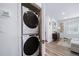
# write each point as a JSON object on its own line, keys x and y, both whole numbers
{"x": 30, "y": 19}
{"x": 31, "y": 45}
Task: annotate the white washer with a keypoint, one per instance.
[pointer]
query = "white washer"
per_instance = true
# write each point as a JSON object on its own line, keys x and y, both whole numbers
{"x": 30, "y": 21}
{"x": 30, "y": 45}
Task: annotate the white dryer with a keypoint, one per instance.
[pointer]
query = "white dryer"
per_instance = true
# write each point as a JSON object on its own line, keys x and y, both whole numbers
{"x": 31, "y": 45}
{"x": 30, "y": 21}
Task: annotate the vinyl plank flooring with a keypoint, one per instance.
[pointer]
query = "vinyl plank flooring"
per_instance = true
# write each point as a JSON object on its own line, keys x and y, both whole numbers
{"x": 52, "y": 49}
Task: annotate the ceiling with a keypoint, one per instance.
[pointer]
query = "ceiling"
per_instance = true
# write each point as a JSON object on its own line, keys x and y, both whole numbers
{"x": 60, "y": 11}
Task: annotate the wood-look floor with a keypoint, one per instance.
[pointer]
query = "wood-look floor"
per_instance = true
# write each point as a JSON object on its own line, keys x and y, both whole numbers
{"x": 52, "y": 49}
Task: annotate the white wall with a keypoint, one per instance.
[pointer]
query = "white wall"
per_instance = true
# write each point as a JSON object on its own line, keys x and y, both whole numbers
{"x": 48, "y": 25}
{"x": 48, "y": 28}
{"x": 9, "y": 42}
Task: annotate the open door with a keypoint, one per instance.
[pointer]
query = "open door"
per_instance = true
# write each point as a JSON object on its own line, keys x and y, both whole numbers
{"x": 42, "y": 27}
{"x": 46, "y": 29}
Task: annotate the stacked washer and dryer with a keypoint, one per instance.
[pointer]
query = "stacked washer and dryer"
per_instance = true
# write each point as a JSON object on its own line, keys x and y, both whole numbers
{"x": 30, "y": 35}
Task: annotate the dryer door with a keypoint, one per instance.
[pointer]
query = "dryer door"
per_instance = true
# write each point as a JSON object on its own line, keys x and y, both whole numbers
{"x": 31, "y": 45}
{"x": 30, "y": 19}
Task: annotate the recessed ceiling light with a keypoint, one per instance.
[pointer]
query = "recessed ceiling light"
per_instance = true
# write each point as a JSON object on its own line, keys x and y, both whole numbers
{"x": 63, "y": 13}
{"x": 65, "y": 17}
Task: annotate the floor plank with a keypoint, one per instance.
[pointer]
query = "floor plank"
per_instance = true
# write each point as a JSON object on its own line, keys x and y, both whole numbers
{"x": 52, "y": 49}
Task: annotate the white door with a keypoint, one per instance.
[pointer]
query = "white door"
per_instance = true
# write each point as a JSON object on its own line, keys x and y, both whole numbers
{"x": 43, "y": 31}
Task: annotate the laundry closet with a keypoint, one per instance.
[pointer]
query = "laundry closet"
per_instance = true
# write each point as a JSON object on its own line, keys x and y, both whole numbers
{"x": 30, "y": 30}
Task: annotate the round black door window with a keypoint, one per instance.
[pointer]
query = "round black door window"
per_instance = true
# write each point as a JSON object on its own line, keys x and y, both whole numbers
{"x": 31, "y": 45}
{"x": 30, "y": 19}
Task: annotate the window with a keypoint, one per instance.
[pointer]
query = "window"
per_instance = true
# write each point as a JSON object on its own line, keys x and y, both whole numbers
{"x": 72, "y": 27}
